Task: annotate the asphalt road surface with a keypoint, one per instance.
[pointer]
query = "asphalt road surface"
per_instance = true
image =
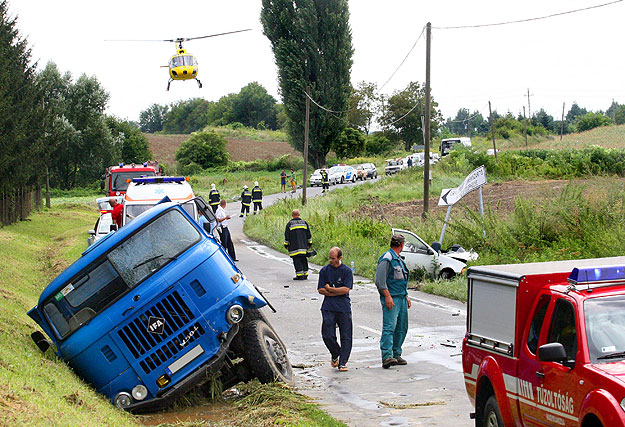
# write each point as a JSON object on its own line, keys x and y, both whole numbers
{"x": 427, "y": 391}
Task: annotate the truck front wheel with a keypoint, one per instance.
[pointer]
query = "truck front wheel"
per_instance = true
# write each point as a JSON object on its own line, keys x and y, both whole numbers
{"x": 491, "y": 417}
{"x": 265, "y": 353}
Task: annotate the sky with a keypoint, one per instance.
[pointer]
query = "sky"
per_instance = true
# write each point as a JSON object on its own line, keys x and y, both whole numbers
{"x": 569, "y": 58}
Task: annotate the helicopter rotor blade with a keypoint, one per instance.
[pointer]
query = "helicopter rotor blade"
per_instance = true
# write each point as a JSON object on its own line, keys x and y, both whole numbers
{"x": 213, "y": 35}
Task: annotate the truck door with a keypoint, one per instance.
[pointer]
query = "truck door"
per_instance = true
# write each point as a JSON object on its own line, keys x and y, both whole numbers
{"x": 529, "y": 376}
{"x": 560, "y": 397}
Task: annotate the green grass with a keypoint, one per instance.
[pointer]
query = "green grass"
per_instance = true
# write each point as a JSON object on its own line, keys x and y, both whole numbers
{"x": 250, "y": 133}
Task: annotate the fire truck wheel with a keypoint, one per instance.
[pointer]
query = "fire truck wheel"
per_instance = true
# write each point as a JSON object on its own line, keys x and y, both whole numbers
{"x": 265, "y": 353}
{"x": 447, "y": 274}
{"x": 492, "y": 417}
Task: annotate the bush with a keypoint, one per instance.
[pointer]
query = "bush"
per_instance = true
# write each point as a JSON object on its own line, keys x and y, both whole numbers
{"x": 350, "y": 143}
{"x": 592, "y": 120}
{"x": 206, "y": 149}
{"x": 377, "y": 143}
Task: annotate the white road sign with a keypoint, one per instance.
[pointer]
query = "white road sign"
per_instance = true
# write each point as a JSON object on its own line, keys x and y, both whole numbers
{"x": 450, "y": 196}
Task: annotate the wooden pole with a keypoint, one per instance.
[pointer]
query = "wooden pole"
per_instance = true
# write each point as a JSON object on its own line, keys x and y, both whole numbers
{"x": 562, "y": 123}
{"x": 426, "y": 142}
{"x": 492, "y": 129}
{"x": 307, "y": 127}
{"x": 525, "y": 126}
{"x": 47, "y": 159}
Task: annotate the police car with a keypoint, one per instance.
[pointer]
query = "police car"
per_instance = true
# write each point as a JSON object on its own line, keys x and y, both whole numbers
{"x": 342, "y": 173}
{"x": 315, "y": 178}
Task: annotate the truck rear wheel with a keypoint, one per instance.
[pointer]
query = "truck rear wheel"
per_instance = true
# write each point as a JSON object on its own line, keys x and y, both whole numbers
{"x": 265, "y": 353}
{"x": 491, "y": 417}
{"x": 447, "y": 274}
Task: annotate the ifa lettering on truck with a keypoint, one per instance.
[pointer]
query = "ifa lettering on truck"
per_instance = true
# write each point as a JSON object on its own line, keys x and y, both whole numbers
{"x": 116, "y": 178}
{"x": 545, "y": 343}
{"x": 156, "y": 308}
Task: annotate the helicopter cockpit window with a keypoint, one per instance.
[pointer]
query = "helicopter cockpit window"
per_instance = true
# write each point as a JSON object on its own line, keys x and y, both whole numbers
{"x": 182, "y": 60}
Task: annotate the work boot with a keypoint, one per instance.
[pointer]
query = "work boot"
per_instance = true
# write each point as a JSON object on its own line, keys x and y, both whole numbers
{"x": 241, "y": 216}
{"x": 388, "y": 362}
{"x": 401, "y": 360}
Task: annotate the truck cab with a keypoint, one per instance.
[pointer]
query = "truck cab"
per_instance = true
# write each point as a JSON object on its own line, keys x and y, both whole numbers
{"x": 545, "y": 343}
{"x": 448, "y": 144}
{"x": 156, "y": 308}
{"x": 116, "y": 178}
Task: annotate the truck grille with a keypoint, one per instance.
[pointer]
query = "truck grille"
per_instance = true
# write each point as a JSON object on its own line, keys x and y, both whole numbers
{"x": 171, "y": 348}
{"x": 176, "y": 314}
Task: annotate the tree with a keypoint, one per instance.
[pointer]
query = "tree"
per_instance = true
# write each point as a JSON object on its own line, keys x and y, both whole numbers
{"x": 206, "y": 149}
{"x": 377, "y": 144}
{"x": 364, "y": 105}
{"x": 151, "y": 120}
{"x": 574, "y": 113}
{"x": 312, "y": 45}
{"x": 254, "y": 105}
{"x": 187, "y": 116}
{"x": 544, "y": 119}
{"x": 592, "y": 120}
{"x": 402, "y": 115}
{"x": 466, "y": 123}
{"x": 133, "y": 145}
{"x": 619, "y": 115}
{"x": 350, "y": 143}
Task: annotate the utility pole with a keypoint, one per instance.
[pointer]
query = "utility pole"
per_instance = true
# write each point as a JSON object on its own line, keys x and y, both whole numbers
{"x": 525, "y": 126}
{"x": 492, "y": 129}
{"x": 562, "y": 123}
{"x": 43, "y": 108}
{"x": 426, "y": 142}
{"x": 307, "y": 127}
{"x": 529, "y": 110}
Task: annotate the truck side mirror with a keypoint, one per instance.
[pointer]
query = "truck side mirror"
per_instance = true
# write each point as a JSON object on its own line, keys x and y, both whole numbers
{"x": 552, "y": 352}
{"x": 113, "y": 227}
{"x": 92, "y": 232}
{"x": 40, "y": 341}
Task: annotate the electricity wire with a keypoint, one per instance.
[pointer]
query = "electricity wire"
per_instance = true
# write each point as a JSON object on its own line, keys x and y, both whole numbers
{"x": 404, "y": 60}
{"x": 529, "y": 19}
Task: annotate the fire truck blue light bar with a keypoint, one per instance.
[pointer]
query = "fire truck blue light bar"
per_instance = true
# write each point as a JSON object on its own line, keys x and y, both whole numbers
{"x": 597, "y": 274}
{"x": 158, "y": 179}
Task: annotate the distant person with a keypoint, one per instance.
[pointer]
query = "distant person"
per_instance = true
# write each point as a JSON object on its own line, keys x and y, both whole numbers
{"x": 117, "y": 212}
{"x": 391, "y": 279}
{"x": 293, "y": 181}
{"x": 224, "y": 232}
{"x": 335, "y": 282}
{"x": 246, "y": 201}
{"x": 257, "y": 197}
{"x": 409, "y": 161}
{"x": 325, "y": 180}
{"x": 283, "y": 181}
{"x": 214, "y": 198}
{"x": 297, "y": 240}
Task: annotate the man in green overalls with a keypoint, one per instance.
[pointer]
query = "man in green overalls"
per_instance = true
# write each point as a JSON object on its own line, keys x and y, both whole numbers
{"x": 391, "y": 279}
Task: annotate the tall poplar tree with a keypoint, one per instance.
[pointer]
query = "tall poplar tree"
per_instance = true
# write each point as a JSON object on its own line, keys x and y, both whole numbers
{"x": 312, "y": 45}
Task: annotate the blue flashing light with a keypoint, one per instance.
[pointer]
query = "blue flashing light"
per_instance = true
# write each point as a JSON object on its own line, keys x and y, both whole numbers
{"x": 158, "y": 179}
{"x": 145, "y": 164}
{"x": 121, "y": 165}
{"x": 597, "y": 274}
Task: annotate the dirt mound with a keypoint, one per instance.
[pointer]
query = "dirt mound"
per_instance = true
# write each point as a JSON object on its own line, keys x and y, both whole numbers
{"x": 500, "y": 197}
{"x": 164, "y": 148}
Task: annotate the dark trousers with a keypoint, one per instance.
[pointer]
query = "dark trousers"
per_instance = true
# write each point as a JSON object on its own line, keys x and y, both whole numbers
{"x": 258, "y": 205}
{"x": 300, "y": 262}
{"x": 325, "y": 185}
{"x": 226, "y": 241}
{"x": 214, "y": 208}
{"x": 245, "y": 209}
{"x": 328, "y": 333}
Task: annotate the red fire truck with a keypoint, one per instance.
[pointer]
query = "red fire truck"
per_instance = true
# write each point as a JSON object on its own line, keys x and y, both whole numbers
{"x": 545, "y": 343}
{"x": 116, "y": 178}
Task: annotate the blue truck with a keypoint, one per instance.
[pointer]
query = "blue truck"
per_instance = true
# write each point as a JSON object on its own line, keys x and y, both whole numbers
{"x": 156, "y": 308}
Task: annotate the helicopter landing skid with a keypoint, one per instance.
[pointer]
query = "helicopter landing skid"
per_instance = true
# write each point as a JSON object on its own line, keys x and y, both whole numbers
{"x": 199, "y": 83}
{"x": 169, "y": 83}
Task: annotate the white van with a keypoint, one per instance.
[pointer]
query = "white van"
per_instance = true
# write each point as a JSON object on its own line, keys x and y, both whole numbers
{"x": 447, "y": 144}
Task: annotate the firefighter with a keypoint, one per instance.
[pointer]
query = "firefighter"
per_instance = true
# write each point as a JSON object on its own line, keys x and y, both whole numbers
{"x": 246, "y": 201}
{"x": 297, "y": 240}
{"x": 325, "y": 180}
{"x": 257, "y": 197}
{"x": 214, "y": 198}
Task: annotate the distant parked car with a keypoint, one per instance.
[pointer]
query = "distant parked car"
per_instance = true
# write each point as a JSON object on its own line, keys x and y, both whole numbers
{"x": 449, "y": 143}
{"x": 361, "y": 173}
{"x": 372, "y": 171}
{"x": 315, "y": 178}
{"x": 394, "y": 165}
{"x": 343, "y": 173}
{"x": 491, "y": 151}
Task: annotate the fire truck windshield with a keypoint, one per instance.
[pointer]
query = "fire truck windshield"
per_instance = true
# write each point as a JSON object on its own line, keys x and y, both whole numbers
{"x": 121, "y": 269}
{"x": 118, "y": 179}
{"x": 605, "y": 328}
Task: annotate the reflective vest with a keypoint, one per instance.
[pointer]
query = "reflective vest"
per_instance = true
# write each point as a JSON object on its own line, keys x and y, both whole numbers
{"x": 213, "y": 198}
{"x": 397, "y": 278}
{"x": 324, "y": 177}
{"x": 257, "y": 194}
{"x": 246, "y": 198}
{"x": 297, "y": 237}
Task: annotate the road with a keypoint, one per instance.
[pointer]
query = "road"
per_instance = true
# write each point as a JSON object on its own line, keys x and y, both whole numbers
{"x": 429, "y": 390}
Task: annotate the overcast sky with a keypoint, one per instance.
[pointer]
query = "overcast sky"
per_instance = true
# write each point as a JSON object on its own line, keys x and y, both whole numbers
{"x": 574, "y": 57}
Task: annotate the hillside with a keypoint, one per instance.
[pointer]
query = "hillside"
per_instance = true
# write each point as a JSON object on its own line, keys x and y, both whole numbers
{"x": 240, "y": 148}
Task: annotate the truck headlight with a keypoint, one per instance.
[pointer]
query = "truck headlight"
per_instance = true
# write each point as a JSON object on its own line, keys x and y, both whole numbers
{"x": 122, "y": 400}
{"x": 623, "y": 404}
{"x": 139, "y": 392}
{"x": 234, "y": 314}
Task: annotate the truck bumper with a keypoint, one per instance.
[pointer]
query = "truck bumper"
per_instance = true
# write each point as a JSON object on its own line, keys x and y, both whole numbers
{"x": 167, "y": 396}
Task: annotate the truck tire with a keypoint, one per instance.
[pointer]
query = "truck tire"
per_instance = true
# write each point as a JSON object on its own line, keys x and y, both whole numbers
{"x": 447, "y": 274}
{"x": 491, "y": 417}
{"x": 265, "y": 353}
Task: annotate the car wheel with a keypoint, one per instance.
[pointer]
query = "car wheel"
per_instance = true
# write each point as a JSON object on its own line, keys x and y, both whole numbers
{"x": 447, "y": 274}
{"x": 492, "y": 417}
{"x": 265, "y": 353}
{"x": 342, "y": 180}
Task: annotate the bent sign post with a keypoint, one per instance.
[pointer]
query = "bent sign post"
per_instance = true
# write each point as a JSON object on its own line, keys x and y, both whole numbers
{"x": 451, "y": 196}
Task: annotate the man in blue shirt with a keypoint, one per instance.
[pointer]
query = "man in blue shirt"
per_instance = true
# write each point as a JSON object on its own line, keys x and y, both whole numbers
{"x": 335, "y": 282}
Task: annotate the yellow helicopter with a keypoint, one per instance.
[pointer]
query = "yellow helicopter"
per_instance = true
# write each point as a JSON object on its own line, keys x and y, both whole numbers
{"x": 183, "y": 65}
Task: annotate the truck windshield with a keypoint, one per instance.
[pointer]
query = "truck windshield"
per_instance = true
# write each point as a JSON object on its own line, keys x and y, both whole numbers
{"x": 118, "y": 179}
{"x": 121, "y": 269}
{"x": 605, "y": 328}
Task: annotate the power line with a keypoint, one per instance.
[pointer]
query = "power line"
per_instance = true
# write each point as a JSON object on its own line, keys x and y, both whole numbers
{"x": 529, "y": 19}
{"x": 404, "y": 60}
